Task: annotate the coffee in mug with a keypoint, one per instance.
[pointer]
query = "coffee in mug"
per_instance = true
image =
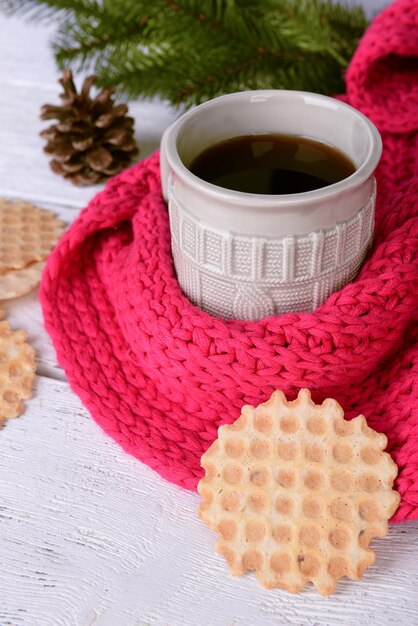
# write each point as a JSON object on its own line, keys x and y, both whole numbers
{"x": 262, "y": 251}
{"x": 272, "y": 164}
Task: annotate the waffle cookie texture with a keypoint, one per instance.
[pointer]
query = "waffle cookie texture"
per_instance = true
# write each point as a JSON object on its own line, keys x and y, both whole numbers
{"x": 160, "y": 376}
{"x": 27, "y": 236}
{"x": 17, "y": 371}
{"x": 15, "y": 283}
{"x": 296, "y": 493}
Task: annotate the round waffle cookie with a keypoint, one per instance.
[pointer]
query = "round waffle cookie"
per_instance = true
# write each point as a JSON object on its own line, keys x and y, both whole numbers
{"x": 17, "y": 371}
{"x": 296, "y": 493}
{"x": 15, "y": 283}
{"x": 27, "y": 234}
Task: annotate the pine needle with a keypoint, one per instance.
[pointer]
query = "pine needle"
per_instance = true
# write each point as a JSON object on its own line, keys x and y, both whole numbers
{"x": 190, "y": 50}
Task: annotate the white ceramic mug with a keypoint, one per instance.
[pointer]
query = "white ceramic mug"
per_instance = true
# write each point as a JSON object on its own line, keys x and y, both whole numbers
{"x": 248, "y": 256}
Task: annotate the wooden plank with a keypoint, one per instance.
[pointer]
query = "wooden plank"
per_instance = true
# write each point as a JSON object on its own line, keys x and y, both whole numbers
{"x": 92, "y": 536}
{"x": 27, "y": 81}
{"x": 25, "y": 313}
{"x": 24, "y": 169}
{"x": 89, "y": 535}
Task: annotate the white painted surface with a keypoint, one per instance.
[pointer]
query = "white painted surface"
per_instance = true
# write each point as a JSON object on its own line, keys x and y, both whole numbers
{"x": 371, "y": 7}
{"x": 88, "y": 535}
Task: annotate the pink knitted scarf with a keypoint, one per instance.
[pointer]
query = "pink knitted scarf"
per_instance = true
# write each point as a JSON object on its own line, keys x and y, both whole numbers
{"x": 160, "y": 376}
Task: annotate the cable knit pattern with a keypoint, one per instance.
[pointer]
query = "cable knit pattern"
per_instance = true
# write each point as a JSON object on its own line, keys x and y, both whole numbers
{"x": 160, "y": 376}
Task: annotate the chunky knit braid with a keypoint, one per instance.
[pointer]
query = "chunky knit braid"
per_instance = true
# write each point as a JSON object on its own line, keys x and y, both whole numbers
{"x": 160, "y": 376}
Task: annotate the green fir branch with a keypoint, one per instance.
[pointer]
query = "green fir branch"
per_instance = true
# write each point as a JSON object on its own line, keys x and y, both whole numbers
{"x": 42, "y": 10}
{"x": 190, "y": 50}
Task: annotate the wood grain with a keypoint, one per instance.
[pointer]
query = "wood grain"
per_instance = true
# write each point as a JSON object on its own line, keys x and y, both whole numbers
{"x": 91, "y": 536}
{"x": 28, "y": 79}
{"x": 88, "y": 535}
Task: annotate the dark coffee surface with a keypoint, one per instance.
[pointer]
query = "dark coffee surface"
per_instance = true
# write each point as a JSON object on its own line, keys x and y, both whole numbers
{"x": 272, "y": 164}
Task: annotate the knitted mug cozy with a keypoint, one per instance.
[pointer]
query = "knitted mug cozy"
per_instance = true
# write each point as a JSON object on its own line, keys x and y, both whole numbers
{"x": 160, "y": 376}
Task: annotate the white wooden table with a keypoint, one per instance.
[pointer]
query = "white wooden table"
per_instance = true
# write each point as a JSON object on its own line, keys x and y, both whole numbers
{"x": 88, "y": 535}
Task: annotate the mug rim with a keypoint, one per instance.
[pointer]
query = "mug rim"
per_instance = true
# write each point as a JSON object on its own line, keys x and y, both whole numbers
{"x": 275, "y": 201}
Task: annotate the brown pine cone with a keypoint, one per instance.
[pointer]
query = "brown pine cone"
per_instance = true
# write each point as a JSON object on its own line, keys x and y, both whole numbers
{"x": 93, "y": 139}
